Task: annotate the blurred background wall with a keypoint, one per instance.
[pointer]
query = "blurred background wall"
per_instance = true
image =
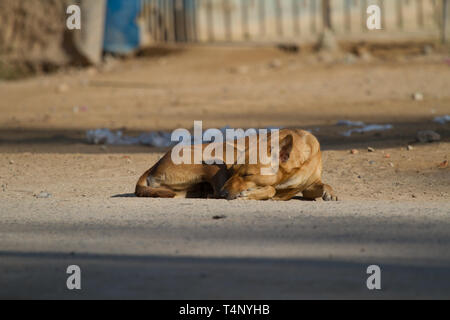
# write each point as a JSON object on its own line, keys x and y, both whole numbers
{"x": 32, "y": 34}
{"x": 289, "y": 20}
{"x": 34, "y": 37}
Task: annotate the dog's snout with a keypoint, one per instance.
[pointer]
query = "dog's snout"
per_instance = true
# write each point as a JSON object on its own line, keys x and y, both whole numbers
{"x": 224, "y": 194}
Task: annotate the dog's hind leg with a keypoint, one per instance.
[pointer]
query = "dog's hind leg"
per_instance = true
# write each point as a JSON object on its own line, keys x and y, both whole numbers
{"x": 155, "y": 191}
{"x": 150, "y": 192}
{"x": 320, "y": 190}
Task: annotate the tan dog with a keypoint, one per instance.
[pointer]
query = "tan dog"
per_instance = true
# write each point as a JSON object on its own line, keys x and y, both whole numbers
{"x": 299, "y": 171}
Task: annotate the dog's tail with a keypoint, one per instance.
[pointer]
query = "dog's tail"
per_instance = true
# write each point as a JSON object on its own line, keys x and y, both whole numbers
{"x": 143, "y": 190}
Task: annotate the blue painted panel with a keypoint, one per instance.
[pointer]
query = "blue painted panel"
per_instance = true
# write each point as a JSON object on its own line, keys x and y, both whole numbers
{"x": 122, "y": 32}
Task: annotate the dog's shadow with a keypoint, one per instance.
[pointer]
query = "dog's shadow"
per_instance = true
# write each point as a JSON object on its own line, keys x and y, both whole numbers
{"x": 132, "y": 195}
{"x": 124, "y": 195}
{"x": 301, "y": 198}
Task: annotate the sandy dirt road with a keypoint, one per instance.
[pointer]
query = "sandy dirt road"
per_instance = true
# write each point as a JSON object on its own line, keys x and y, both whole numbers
{"x": 395, "y": 208}
{"x": 395, "y": 217}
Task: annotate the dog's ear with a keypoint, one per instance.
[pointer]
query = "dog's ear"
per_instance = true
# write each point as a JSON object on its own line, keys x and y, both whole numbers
{"x": 286, "y": 148}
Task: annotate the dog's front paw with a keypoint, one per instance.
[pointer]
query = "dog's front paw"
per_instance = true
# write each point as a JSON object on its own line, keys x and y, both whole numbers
{"x": 244, "y": 195}
{"x": 329, "y": 197}
{"x": 328, "y": 194}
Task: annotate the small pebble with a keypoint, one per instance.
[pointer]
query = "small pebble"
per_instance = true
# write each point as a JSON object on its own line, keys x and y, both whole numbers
{"x": 11, "y": 161}
{"x": 443, "y": 164}
{"x": 418, "y": 96}
{"x": 43, "y": 195}
{"x": 371, "y": 162}
{"x": 387, "y": 155}
{"x": 427, "y": 50}
{"x": 276, "y": 63}
{"x": 289, "y": 47}
{"x": 350, "y": 58}
{"x": 239, "y": 70}
{"x": 409, "y": 148}
{"x": 354, "y": 151}
{"x": 391, "y": 164}
{"x": 428, "y": 136}
{"x": 370, "y": 149}
{"x": 62, "y": 88}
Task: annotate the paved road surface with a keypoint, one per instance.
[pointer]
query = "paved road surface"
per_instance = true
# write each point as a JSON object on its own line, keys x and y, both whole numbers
{"x": 158, "y": 249}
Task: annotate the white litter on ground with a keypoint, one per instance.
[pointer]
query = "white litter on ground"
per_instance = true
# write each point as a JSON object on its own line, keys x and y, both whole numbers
{"x": 106, "y": 136}
{"x": 418, "y": 96}
{"x": 153, "y": 138}
{"x": 364, "y": 127}
{"x": 443, "y": 119}
{"x": 367, "y": 128}
{"x": 349, "y": 123}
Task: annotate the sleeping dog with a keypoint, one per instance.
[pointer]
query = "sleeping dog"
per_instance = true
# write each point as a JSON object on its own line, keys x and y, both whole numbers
{"x": 298, "y": 171}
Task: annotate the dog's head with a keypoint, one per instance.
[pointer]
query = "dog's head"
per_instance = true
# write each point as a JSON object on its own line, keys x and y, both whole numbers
{"x": 248, "y": 177}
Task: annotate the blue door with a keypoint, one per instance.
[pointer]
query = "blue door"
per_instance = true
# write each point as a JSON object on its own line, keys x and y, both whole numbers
{"x": 121, "y": 31}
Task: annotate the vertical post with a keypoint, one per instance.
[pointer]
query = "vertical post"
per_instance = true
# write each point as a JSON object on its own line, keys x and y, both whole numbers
{"x": 187, "y": 17}
{"x": 90, "y": 40}
{"x": 144, "y": 33}
{"x": 262, "y": 18}
{"x": 445, "y": 7}
{"x": 170, "y": 22}
{"x": 175, "y": 20}
{"x": 159, "y": 21}
{"x": 209, "y": 20}
{"x": 383, "y": 15}
{"x": 162, "y": 13}
{"x": 180, "y": 28}
{"x": 399, "y": 7}
{"x": 190, "y": 9}
{"x": 150, "y": 19}
{"x": 296, "y": 17}
{"x": 183, "y": 24}
{"x": 363, "y": 15}
{"x": 347, "y": 16}
{"x": 326, "y": 14}
{"x": 194, "y": 21}
{"x": 245, "y": 29}
{"x": 166, "y": 17}
{"x": 151, "y": 9}
{"x": 278, "y": 13}
{"x": 170, "y": 16}
{"x": 227, "y": 18}
{"x": 312, "y": 8}
{"x": 419, "y": 5}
